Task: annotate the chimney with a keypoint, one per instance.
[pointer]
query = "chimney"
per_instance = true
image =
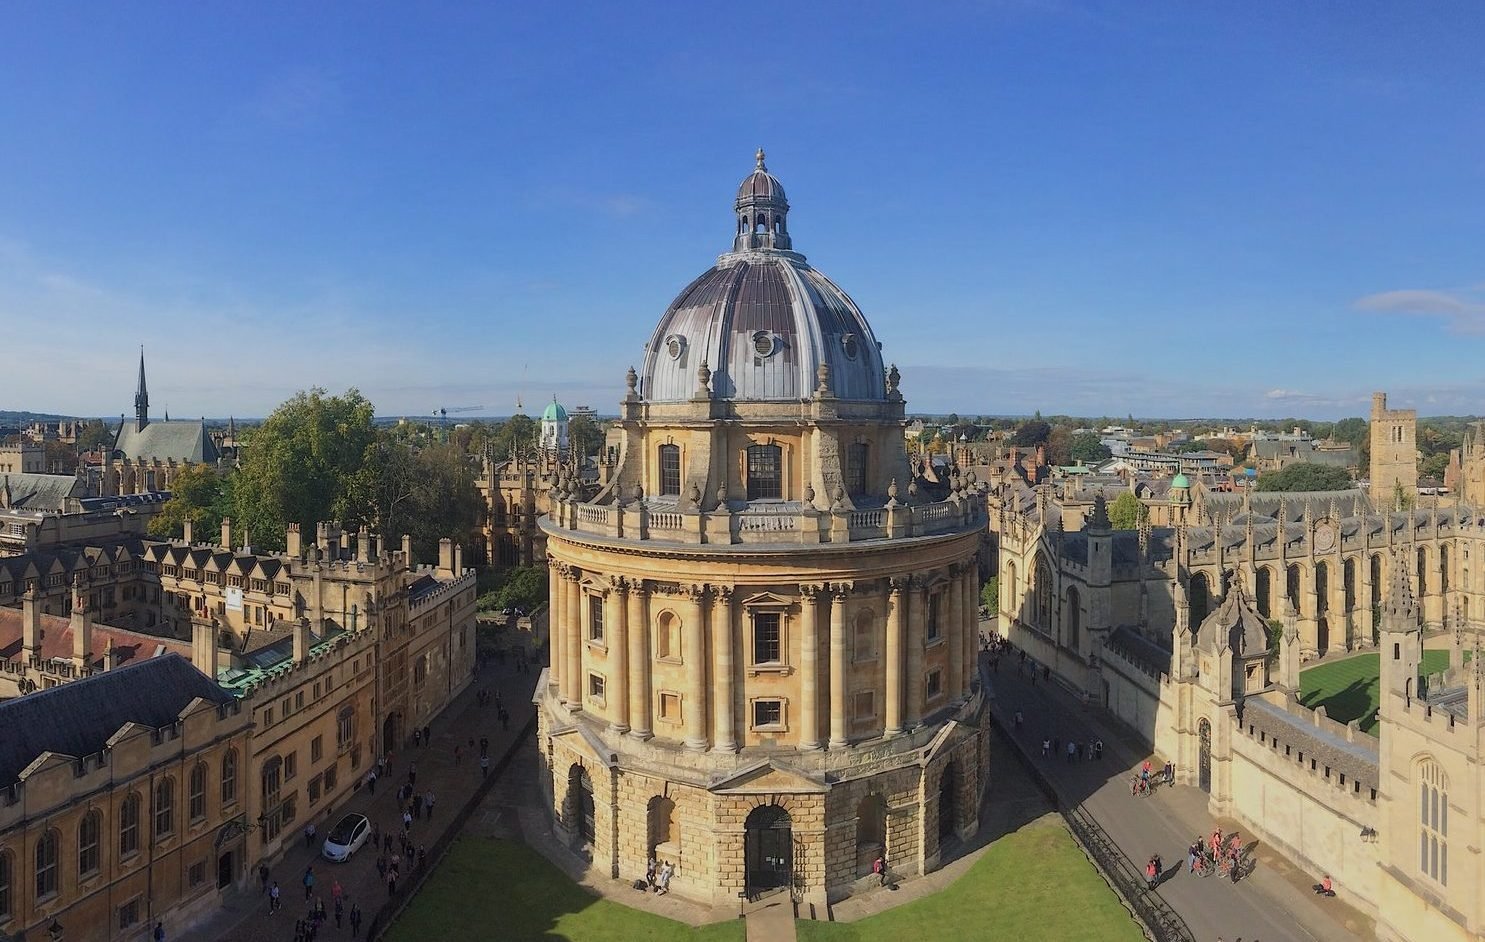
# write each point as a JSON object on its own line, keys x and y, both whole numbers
{"x": 293, "y": 542}
{"x": 82, "y": 626}
{"x": 187, "y": 534}
{"x": 445, "y": 557}
{"x": 227, "y": 532}
{"x": 301, "y": 640}
{"x": 204, "y": 646}
{"x": 31, "y": 625}
{"x": 458, "y": 559}
{"x": 363, "y": 545}
{"x": 407, "y": 550}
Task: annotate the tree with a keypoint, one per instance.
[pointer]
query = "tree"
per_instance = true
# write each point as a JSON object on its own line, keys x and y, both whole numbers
{"x": 584, "y": 436}
{"x": 523, "y": 587}
{"x": 1351, "y": 430}
{"x": 1059, "y": 446}
{"x": 1433, "y": 466}
{"x": 1126, "y": 512}
{"x": 195, "y": 495}
{"x": 1088, "y": 449}
{"x": 307, "y": 463}
{"x": 1031, "y": 433}
{"x": 517, "y": 435}
{"x": 990, "y": 595}
{"x": 1305, "y": 476}
{"x": 94, "y": 435}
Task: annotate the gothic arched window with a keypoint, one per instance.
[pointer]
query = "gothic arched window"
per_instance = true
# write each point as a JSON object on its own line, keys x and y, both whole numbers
{"x": 1433, "y": 821}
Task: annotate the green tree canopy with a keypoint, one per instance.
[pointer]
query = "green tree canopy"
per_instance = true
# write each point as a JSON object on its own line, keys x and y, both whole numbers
{"x": 1031, "y": 433}
{"x": 308, "y": 462}
{"x": 584, "y": 435}
{"x": 1305, "y": 476}
{"x": 199, "y": 495}
{"x": 523, "y": 587}
{"x": 1088, "y": 449}
{"x": 94, "y": 435}
{"x": 990, "y": 595}
{"x": 1126, "y": 512}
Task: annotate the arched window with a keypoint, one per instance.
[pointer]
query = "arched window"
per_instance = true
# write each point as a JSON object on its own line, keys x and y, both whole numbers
{"x": 129, "y": 825}
{"x": 1444, "y": 568}
{"x": 857, "y": 455}
{"x": 164, "y": 807}
{"x": 229, "y": 777}
{"x": 1433, "y": 821}
{"x": 1199, "y": 599}
{"x": 1008, "y": 591}
{"x": 765, "y": 472}
{"x": 670, "y": 469}
{"x": 1043, "y": 597}
{"x": 89, "y": 837}
{"x": 1264, "y": 588}
{"x": 197, "y": 802}
{"x": 668, "y": 635}
{"x": 1072, "y": 618}
{"x": 47, "y": 851}
{"x": 1292, "y": 586}
{"x": 7, "y": 875}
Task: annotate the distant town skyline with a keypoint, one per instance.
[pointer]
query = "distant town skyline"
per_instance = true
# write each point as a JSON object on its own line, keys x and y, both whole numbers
{"x": 1079, "y": 208}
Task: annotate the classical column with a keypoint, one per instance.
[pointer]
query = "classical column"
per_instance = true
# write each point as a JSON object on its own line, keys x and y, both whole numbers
{"x": 572, "y": 642}
{"x": 724, "y": 735}
{"x": 893, "y": 655}
{"x": 809, "y": 652}
{"x": 639, "y": 660}
{"x": 954, "y": 676}
{"x": 618, "y": 647}
{"x": 695, "y": 651}
{"x": 913, "y": 708}
{"x": 971, "y": 582}
{"x": 555, "y": 597}
{"x": 838, "y": 664}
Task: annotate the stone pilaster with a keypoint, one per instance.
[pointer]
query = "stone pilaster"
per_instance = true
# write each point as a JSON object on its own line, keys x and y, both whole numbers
{"x": 618, "y": 646}
{"x": 954, "y": 676}
{"x": 572, "y": 639}
{"x": 913, "y": 707}
{"x": 893, "y": 655}
{"x": 724, "y": 735}
{"x": 809, "y": 671}
{"x": 695, "y": 653}
{"x": 555, "y": 598}
{"x": 838, "y": 715}
{"x": 639, "y": 661}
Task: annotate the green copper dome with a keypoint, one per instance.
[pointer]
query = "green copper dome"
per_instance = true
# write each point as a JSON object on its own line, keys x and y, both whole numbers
{"x": 1180, "y": 480}
{"x": 554, "y": 412}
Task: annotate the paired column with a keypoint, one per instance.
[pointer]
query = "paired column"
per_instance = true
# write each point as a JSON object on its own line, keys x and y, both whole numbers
{"x": 893, "y": 657}
{"x": 913, "y": 709}
{"x": 809, "y": 672}
{"x": 618, "y": 648}
{"x": 838, "y": 715}
{"x": 556, "y": 597}
{"x": 572, "y": 643}
{"x": 954, "y": 596}
{"x": 695, "y": 652}
{"x": 724, "y": 735}
{"x": 639, "y": 660}
{"x": 971, "y": 585}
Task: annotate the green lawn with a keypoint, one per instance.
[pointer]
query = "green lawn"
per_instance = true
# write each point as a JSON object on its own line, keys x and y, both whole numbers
{"x": 1350, "y": 689}
{"x": 493, "y": 889}
{"x": 1029, "y": 886}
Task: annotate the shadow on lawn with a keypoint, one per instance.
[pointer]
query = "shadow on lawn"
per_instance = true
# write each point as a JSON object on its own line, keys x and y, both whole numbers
{"x": 1356, "y": 701}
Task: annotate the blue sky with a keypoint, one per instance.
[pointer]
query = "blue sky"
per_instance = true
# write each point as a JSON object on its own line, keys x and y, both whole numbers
{"x": 1166, "y": 209}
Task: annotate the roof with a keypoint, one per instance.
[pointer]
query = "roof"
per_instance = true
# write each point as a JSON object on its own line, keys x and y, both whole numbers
{"x": 554, "y": 412}
{"x": 78, "y": 718}
{"x": 184, "y": 440}
{"x": 1180, "y": 480}
{"x": 56, "y": 640}
{"x": 40, "y": 491}
{"x": 1237, "y": 625}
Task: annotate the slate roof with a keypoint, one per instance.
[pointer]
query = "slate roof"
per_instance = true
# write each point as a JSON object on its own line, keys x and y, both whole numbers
{"x": 41, "y": 491}
{"x": 182, "y": 439}
{"x": 78, "y": 718}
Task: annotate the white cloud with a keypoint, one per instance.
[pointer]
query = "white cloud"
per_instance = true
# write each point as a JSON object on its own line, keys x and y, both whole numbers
{"x": 1463, "y": 310}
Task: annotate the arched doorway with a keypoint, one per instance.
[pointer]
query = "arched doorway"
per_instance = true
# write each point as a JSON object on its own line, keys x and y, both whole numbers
{"x": 871, "y": 832}
{"x": 1204, "y": 760}
{"x": 768, "y": 848}
{"x": 389, "y": 732}
{"x": 580, "y": 804}
{"x": 1199, "y": 599}
{"x": 948, "y": 793}
{"x": 1263, "y": 581}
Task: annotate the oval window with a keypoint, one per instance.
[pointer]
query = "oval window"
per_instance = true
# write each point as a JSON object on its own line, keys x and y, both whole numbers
{"x": 675, "y": 345}
{"x": 763, "y": 344}
{"x": 849, "y": 344}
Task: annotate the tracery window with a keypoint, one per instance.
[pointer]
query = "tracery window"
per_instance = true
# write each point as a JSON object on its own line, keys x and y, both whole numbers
{"x": 1433, "y": 821}
{"x": 89, "y": 836}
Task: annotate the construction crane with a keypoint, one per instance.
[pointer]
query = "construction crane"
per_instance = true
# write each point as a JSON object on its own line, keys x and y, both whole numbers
{"x": 442, "y": 414}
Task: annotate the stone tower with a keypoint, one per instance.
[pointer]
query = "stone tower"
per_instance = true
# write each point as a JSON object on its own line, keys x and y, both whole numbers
{"x": 1401, "y": 638}
{"x": 1394, "y": 453}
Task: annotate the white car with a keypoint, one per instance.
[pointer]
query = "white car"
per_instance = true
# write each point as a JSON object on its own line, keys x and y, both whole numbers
{"x": 347, "y": 837}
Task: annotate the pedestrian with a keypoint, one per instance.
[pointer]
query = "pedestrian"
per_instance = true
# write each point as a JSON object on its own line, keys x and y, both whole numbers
{"x": 650, "y": 873}
{"x": 355, "y": 920}
{"x": 299, "y": 930}
{"x": 371, "y": 782}
{"x": 159, "y": 932}
{"x": 309, "y": 882}
{"x": 309, "y": 834}
{"x": 263, "y": 876}
{"x": 1098, "y": 748}
{"x": 335, "y": 891}
{"x": 273, "y": 903}
{"x": 484, "y": 766}
{"x": 319, "y": 910}
{"x": 1019, "y": 720}
{"x": 427, "y": 736}
{"x": 406, "y": 821}
{"x": 428, "y": 804}
{"x": 412, "y": 773}
{"x": 1046, "y": 747}
{"x": 339, "y": 910}
{"x": 1072, "y": 749}
{"x": 879, "y": 867}
{"x": 417, "y": 805}
{"x": 417, "y": 737}
{"x": 422, "y": 856}
{"x": 484, "y": 745}
{"x": 381, "y": 866}
{"x": 1046, "y": 672}
{"x": 376, "y": 834}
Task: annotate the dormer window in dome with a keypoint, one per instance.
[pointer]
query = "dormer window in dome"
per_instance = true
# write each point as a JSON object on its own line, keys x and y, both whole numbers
{"x": 764, "y": 343}
{"x": 850, "y": 345}
{"x": 675, "y": 346}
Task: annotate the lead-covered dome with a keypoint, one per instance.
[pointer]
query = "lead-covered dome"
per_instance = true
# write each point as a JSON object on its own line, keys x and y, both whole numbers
{"x": 762, "y": 320}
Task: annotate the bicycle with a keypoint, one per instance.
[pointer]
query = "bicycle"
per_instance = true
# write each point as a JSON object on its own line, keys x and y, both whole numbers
{"x": 1204, "y": 866}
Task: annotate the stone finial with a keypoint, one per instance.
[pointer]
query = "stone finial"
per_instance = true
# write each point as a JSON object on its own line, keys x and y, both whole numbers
{"x": 893, "y": 379}
{"x": 722, "y": 492}
{"x": 694, "y": 494}
{"x": 631, "y": 383}
{"x": 838, "y": 498}
{"x": 912, "y": 489}
{"x": 822, "y": 380}
{"x": 809, "y": 493}
{"x": 703, "y": 381}
{"x": 892, "y": 493}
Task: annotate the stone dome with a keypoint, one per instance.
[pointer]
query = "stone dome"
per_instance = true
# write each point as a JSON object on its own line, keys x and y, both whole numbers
{"x": 763, "y": 321}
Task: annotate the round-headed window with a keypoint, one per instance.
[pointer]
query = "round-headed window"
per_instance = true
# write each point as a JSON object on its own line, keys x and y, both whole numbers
{"x": 763, "y": 343}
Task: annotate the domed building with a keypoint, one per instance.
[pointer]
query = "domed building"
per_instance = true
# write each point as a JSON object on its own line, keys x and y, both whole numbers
{"x": 764, "y": 653}
{"x": 554, "y": 429}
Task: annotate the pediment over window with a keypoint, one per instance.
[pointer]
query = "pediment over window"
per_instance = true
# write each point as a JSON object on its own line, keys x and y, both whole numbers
{"x": 767, "y": 600}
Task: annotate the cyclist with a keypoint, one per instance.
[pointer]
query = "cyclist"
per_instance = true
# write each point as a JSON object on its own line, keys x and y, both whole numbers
{"x": 1216, "y": 843}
